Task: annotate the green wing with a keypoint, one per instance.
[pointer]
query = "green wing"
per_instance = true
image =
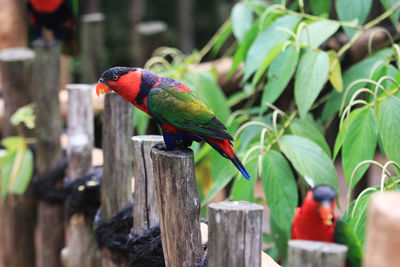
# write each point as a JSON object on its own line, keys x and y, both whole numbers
{"x": 345, "y": 235}
{"x": 185, "y": 111}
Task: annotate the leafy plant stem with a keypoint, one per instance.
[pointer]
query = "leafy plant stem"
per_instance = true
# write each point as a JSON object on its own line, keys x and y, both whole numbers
{"x": 281, "y": 131}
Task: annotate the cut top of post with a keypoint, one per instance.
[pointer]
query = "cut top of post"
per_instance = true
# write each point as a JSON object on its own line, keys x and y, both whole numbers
{"x": 235, "y": 205}
{"x": 79, "y": 86}
{"x": 147, "y": 138}
{"x": 318, "y": 246}
{"x": 176, "y": 153}
{"x": 16, "y": 54}
{"x": 151, "y": 28}
{"x": 92, "y": 17}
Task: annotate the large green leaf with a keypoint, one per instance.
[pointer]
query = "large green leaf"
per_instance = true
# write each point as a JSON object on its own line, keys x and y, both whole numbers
{"x": 269, "y": 38}
{"x": 350, "y": 10}
{"x": 224, "y": 33}
{"x": 359, "y": 144}
{"x": 389, "y": 127}
{"x": 279, "y": 75}
{"x": 24, "y": 173}
{"x": 309, "y": 160}
{"x": 311, "y": 76}
{"x": 359, "y": 70}
{"x": 395, "y": 16}
{"x": 242, "y": 19}
{"x": 318, "y": 32}
{"x": 320, "y": 7}
{"x": 207, "y": 89}
{"x": 5, "y": 171}
{"x": 280, "y": 189}
{"x": 307, "y": 129}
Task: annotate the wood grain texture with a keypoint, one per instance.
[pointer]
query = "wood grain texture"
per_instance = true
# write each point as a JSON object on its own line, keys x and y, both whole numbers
{"x": 145, "y": 199}
{"x": 92, "y": 45}
{"x": 234, "y": 234}
{"x": 82, "y": 250}
{"x": 383, "y": 231}
{"x": 117, "y": 169}
{"x": 178, "y": 206}
{"x": 46, "y": 73}
{"x": 316, "y": 254}
{"x": 18, "y": 212}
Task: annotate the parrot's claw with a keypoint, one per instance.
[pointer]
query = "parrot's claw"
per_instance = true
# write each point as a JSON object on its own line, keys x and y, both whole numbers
{"x": 161, "y": 146}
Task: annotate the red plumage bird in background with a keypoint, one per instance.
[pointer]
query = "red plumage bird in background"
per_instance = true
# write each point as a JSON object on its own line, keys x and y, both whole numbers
{"x": 315, "y": 220}
{"x": 183, "y": 117}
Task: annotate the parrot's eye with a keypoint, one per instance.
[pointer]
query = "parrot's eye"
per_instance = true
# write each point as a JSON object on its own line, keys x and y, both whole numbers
{"x": 115, "y": 77}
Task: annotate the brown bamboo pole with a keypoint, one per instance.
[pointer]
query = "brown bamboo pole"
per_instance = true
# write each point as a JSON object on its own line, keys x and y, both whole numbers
{"x": 316, "y": 254}
{"x": 18, "y": 212}
{"x": 46, "y": 73}
{"x": 383, "y": 231}
{"x": 82, "y": 250}
{"x": 117, "y": 169}
{"x": 145, "y": 204}
{"x": 234, "y": 234}
{"x": 178, "y": 206}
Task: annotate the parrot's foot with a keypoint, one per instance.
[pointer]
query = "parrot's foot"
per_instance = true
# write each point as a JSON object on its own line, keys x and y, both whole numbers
{"x": 161, "y": 146}
{"x": 42, "y": 43}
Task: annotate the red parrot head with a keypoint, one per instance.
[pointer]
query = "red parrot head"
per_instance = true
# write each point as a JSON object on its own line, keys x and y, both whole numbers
{"x": 325, "y": 196}
{"x": 124, "y": 81}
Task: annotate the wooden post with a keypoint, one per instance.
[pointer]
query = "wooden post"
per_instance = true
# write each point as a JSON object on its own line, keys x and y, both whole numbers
{"x": 316, "y": 254}
{"x": 145, "y": 204}
{"x": 92, "y": 47}
{"x": 234, "y": 234}
{"x": 178, "y": 206}
{"x": 46, "y": 72}
{"x": 117, "y": 169}
{"x": 18, "y": 212}
{"x": 151, "y": 36}
{"x": 185, "y": 24}
{"x": 82, "y": 250}
{"x": 383, "y": 231}
{"x": 136, "y": 11}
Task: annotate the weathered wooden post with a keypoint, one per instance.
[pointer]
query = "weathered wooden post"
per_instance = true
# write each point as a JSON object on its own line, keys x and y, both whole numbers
{"x": 178, "y": 206}
{"x": 185, "y": 19}
{"x": 18, "y": 212}
{"x": 82, "y": 250}
{"x": 383, "y": 231}
{"x": 145, "y": 204}
{"x": 46, "y": 72}
{"x": 117, "y": 169}
{"x": 316, "y": 254}
{"x": 92, "y": 45}
{"x": 234, "y": 234}
{"x": 150, "y": 37}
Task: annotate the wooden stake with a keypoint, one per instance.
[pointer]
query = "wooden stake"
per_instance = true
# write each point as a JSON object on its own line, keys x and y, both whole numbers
{"x": 150, "y": 37}
{"x": 145, "y": 204}
{"x": 117, "y": 169}
{"x": 18, "y": 212}
{"x": 82, "y": 250}
{"x": 383, "y": 231}
{"x": 234, "y": 234}
{"x": 178, "y": 206}
{"x": 48, "y": 150}
{"x": 316, "y": 254}
{"x": 92, "y": 45}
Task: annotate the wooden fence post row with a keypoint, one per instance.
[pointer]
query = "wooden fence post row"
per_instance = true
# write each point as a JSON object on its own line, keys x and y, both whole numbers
{"x": 145, "y": 205}
{"x": 82, "y": 248}
{"x": 234, "y": 234}
{"x": 18, "y": 212}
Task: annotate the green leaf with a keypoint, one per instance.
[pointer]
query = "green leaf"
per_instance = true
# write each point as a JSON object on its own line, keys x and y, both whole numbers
{"x": 389, "y": 127}
{"x": 267, "y": 61}
{"x": 308, "y": 130}
{"x": 24, "y": 173}
{"x": 243, "y": 189}
{"x": 7, "y": 165}
{"x": 362, "y": 69}
{"x": 359, "y": 144}
{"x": 269, "y": 38}
{"x": 280, "y": 189}
{"x": 350, "y": 10}
{"x": 316, "y": 33}
{"x": 335, "y": 72}
{"x": 311, "y": 76}
{"x": 309, "y": 160}
{"x": 24, "y": 115}
{"x": 279, "y": 75}
{"x": 320, "y": 7}
{"x": 12, "y": 143}
{"x": 140, "y": 121}
{"x": 223, "y": 35}
{"x": 395, "y": 16}
{"x": 242, "y": 19}
{"x": 207, "y": 89}
{"x": 280, "y": 238}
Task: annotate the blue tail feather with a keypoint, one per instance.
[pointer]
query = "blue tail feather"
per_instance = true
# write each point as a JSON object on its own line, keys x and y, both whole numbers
{"x": 240, "y": 167}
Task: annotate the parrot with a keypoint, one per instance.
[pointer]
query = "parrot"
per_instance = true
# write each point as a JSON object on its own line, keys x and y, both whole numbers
{"x": 183, "y": 118}
{"x": 315, "y": 220}
{"x": 57, "y": 16}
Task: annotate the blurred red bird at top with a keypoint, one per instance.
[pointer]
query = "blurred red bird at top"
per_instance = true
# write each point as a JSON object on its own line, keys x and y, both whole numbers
{"x": 182, "y": 116}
